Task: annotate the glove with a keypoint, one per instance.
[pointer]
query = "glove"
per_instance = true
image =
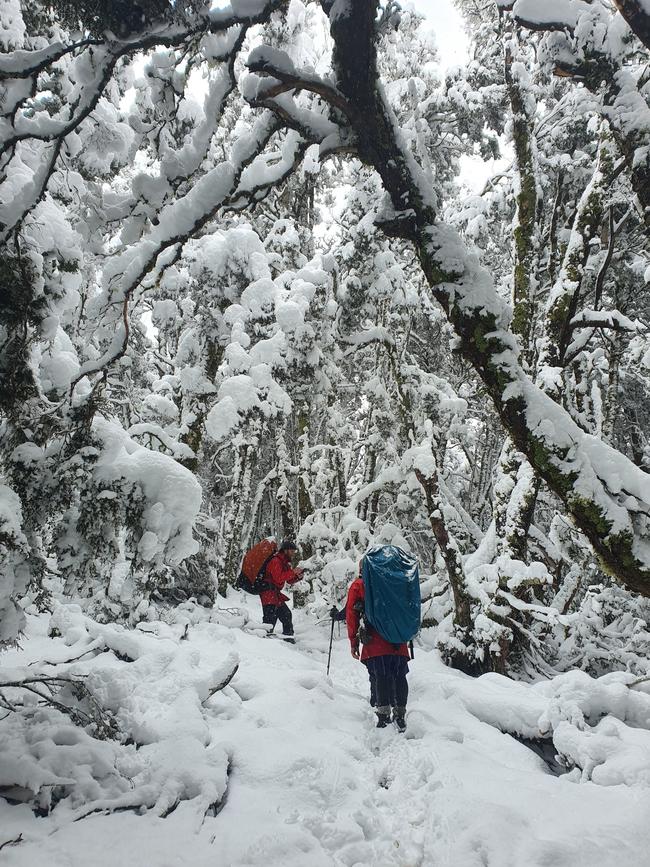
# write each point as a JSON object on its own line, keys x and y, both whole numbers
{"x": 334, "y": 612}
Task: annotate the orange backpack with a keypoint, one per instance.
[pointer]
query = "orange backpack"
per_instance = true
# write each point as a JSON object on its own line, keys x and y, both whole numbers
{"x": 251, "y": 576}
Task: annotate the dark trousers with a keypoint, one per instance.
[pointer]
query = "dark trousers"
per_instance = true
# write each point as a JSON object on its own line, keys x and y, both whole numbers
{"x": 388, "y": 684}
{"x": 272, "y": 613}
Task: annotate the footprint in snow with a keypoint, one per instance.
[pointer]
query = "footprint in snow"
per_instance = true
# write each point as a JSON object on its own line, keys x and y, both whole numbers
{"x": 309, "y": 681}
{"x": 453, "y": 734}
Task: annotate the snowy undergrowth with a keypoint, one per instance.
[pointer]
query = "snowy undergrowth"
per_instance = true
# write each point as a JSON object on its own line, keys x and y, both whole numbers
{"x": 149, "y": 684}
{"x": 283, "y": 766}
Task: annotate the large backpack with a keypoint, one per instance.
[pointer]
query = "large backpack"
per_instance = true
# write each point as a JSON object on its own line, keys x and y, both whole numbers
{"x": 251, "y": 576}
{"x": 392, "y": 593}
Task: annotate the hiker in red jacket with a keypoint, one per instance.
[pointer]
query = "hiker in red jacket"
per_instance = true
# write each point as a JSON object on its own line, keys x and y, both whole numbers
{"x": 387, "y": 663}
{"x": 278, "y": 572}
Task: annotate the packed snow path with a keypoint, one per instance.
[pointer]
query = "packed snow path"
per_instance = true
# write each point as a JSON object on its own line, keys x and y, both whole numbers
{"x": 311, "y": 782}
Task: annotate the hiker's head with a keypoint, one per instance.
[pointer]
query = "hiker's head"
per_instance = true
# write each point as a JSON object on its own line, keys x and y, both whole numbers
{"x": 288, "y": 548}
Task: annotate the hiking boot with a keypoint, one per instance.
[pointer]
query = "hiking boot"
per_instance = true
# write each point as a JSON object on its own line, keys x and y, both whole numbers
{"x": 289, "y": 639}
{"x": 399, "y": 714}
{"x": 383, "y": 717}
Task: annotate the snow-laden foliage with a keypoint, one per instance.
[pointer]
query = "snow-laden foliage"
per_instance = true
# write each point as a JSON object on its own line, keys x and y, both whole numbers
{"x": 245, "y": 291}
{"x": 279, "y": 761}
{"x": 143, "y": 739}
{"x": 215, "y": 328}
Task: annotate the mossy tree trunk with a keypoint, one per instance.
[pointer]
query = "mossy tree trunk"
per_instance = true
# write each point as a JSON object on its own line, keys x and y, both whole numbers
{"x": 430, "y": 483}
{"x": 193, "y": 435}
{"x": 566, "y": 293}
{"x": 526, "y": 197}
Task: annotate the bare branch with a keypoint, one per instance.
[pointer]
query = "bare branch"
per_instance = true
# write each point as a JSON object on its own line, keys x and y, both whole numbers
{"x": 13, "y": 842}
{"x": 222, "y": 684}
{"x": 294, "y": 80}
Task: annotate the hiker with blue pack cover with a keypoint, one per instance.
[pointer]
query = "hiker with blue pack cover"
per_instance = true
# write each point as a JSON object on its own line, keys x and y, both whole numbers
{"x": 383, "y": 615}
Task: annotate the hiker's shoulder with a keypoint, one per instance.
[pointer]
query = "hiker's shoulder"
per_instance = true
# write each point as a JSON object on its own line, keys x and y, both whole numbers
{"x": 356, "y": 588}
{"x": 274, "y": 564}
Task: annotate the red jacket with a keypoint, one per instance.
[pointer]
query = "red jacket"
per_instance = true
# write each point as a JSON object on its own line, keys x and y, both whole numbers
{"x": 376, "y": 646}
{"x": 278, "y": 572}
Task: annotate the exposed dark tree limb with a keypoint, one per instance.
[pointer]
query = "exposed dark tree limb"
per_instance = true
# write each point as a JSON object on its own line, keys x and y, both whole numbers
{"x": 607, "y": 261}
{"x": 222, "y": 684}
{"x": 13, "y": 842}
{"x": 607, "y": 321}
{"x": 637, "y": 19}
{"x": 286, "y": 81}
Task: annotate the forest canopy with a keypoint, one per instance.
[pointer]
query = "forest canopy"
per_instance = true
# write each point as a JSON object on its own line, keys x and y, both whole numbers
{"x": 245, "y": 291}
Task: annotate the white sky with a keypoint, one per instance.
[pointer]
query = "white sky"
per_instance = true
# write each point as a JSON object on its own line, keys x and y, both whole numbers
{"x": 447, "y": 25}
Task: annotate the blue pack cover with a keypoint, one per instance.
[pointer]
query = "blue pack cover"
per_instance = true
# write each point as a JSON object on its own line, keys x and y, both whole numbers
{"x": 392, "y": 590}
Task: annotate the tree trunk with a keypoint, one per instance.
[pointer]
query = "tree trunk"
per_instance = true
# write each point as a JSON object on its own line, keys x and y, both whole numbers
{"x": 239, "y": 504}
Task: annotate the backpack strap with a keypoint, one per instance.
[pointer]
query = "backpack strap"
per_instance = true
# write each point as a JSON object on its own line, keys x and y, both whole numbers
{"x": 262, "y": 568}
{"x": 259, "y": 583}
{"x": 364, "y": 630}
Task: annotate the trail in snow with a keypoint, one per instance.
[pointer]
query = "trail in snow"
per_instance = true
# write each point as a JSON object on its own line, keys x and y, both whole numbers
{"x": 454, "y": 791}
{"x": 353, "y": 795}
{"x": 312, "y": 783}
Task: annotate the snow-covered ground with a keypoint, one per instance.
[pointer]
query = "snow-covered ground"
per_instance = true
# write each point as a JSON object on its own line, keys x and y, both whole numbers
{"x": 284, "y": 766}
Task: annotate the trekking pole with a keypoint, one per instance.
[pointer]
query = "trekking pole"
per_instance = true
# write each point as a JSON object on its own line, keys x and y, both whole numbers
{"x": 329, "y": 655}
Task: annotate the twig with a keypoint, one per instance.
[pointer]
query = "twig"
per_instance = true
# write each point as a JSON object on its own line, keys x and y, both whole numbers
{"x": 102, "y": 719}
{"x": 222, "y": 685}
{"x": 6, "y": 704}
{"x": 70, "y": 659}
{"x": 637, "y": 682}
{"x": 14, "y": 842}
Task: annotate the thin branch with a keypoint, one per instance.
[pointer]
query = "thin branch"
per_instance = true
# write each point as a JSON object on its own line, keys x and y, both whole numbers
{"x": 13, "y": 842}
{"x": 638, "y": 682}
{"x": 600, "y": 279}
{"x": 222, "y": 684}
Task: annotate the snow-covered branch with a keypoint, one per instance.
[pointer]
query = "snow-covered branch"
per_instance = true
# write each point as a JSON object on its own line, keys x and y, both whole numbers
{"x": 610, "y": 319}
{"x": 549, "y": 15}
{"x": 281, "y": 76}
{"x": 178, "y": 222}
{"x": 592, "y": 49}
{"x": 92, "y": 66}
